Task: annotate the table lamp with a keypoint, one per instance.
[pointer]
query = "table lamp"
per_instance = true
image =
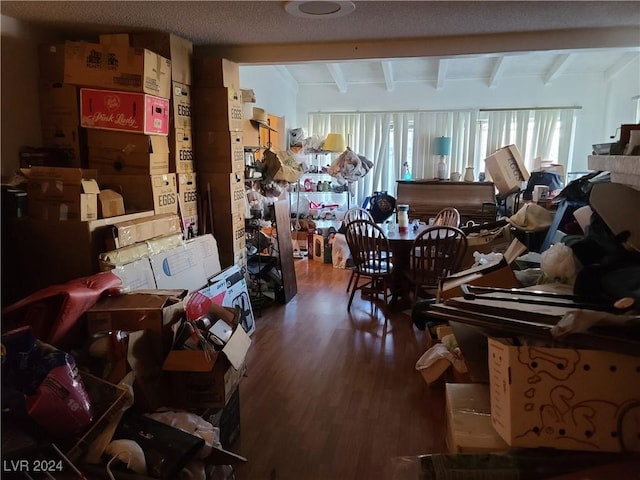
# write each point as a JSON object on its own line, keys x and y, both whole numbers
{"x": 334, "y": 143}
{"x": 441, "y": 147}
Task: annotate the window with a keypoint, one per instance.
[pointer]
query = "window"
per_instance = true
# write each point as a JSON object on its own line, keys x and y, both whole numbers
{"x": 389, "y": 139}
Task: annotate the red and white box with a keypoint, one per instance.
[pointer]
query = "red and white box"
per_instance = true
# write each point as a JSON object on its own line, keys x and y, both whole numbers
{"x": 124, "y": 111}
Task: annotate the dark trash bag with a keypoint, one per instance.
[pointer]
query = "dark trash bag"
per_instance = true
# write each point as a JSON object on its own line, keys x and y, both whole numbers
{"x": 381, "y": 206}
{"x": 577, "y": 190}
{"x": 609, "y": 270}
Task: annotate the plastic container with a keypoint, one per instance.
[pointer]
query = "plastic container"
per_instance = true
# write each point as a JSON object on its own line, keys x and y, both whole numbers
{"x": 403, "y": 218}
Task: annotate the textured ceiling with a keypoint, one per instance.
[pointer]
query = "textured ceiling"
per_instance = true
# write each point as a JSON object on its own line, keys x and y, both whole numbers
{"x": 418, "y": 40}
{"x": 266, "y": 22}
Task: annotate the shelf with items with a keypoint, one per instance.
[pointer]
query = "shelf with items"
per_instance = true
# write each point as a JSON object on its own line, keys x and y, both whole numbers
{"x": 318, "y": 205}
{"x": 252, "y": 166}
{"x": 262, "y": 264}
{"x": 270, "y": 257}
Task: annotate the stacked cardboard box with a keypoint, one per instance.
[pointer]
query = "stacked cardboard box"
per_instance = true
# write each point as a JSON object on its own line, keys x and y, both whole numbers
{"x": 62, "y": 193}
{"x": 119, "y": 94}
{"x": 60, "y": 122}
{"x": 180, "y": 144}
{"x": 219, "y": 152}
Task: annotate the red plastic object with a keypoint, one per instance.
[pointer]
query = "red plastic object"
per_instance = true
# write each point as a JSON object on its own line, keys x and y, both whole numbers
{"x": 61, "y": 404}
{"x": 53, "y": 312}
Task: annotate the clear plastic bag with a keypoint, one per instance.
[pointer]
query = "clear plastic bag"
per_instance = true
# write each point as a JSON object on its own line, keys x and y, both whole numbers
{"x": 559, "y": 264}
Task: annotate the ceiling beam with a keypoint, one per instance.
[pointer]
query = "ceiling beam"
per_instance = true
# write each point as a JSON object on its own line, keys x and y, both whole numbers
{"x": 387, "y": 70}
{"x": 619, "y": 66}
{"x": 443, "y": 66}
{"x": 338, "y": 76}
{"x": 558, "y": 66}
{"x": 498, "y": 70}
{"x": 586, "y": 38}
{"x": 288, "y": 78}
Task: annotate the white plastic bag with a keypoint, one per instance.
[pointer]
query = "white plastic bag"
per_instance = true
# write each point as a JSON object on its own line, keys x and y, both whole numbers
{"x": 339, "y": 250}
{"x": 486, "y": 258}
{"x": 559, "y": 264}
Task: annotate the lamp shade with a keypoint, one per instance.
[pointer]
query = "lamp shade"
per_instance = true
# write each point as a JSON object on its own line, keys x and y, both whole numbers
{"x": 334, "y": 143}
{"x": 442, "y": 146}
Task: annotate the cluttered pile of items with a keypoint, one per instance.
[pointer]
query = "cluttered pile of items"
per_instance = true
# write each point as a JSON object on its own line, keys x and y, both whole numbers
{"x": 102, "y": 382}
{"x": 541, "y": 349}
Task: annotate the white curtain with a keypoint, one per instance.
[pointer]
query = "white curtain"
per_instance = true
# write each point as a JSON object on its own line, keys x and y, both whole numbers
{"x": 458, "y": 125}
{"x": 389, "y": 139}
{"x": 544, "y": 123}
{"x": 366, "y": 134}
{"x": 566, "y": 136}
{"x": 508, "y": 127}
{"x": 534, "y": 132}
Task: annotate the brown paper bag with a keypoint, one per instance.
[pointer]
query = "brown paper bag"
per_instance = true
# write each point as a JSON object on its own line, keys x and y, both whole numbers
{"x": 282, "y": 165}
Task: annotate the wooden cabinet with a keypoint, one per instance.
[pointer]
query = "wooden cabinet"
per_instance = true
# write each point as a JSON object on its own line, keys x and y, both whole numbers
{"x": 474, "y": 200}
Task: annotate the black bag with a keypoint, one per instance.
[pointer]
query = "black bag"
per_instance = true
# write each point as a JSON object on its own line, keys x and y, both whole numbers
{"x": 381, "y": 206}
{"x": 577, "y": 190}
{"x": 609, "y": 270}
{"x": 551, "y": 179}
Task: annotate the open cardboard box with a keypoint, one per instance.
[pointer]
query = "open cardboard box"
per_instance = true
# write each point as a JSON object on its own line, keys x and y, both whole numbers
{"x": 497, "y": 274}
{"x": 564, "y": 398}
{"x": 469, "y": 428}
{"x": 154, "y": 311}
{"x": 506, "y": 168}
{"x": 202, "y": 379}
{"x": 58, "y": 193}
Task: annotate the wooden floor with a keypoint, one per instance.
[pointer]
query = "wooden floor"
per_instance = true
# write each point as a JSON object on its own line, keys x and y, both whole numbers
{"x": 331, "y": 395}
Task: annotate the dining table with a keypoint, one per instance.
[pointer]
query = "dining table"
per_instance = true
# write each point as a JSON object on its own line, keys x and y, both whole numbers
{"x": 400, "y": 243}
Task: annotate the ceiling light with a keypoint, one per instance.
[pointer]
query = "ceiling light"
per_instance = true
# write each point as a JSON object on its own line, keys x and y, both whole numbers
{"x": 319, "y": 9}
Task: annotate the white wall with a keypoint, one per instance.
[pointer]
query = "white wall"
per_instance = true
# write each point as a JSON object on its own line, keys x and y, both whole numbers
{"x": 620, "y": 106}
{"x": 604, "y": 104}
{"x": 274, "y": 91}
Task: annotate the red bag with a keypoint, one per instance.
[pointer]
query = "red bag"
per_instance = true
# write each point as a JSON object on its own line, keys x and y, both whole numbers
{"x": 53, "y": 312}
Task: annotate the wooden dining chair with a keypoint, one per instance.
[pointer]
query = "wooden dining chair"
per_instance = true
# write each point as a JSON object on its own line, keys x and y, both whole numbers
{"x": 371, "y": 259}
{"x": 436, "y": 252}
{"x": 448, "y": 217}
{"x": 355, "y": 213}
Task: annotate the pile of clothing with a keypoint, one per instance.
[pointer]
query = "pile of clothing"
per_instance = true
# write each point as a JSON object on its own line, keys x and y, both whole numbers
{"x": 349, "y": 167}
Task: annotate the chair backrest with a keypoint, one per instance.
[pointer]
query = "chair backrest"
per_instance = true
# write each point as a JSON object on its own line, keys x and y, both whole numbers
{"x": 369, "y": 247}
{"x": 437, "y": 252}
{"x": 448, "y": 217}
{"x": 356, "y": 213}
